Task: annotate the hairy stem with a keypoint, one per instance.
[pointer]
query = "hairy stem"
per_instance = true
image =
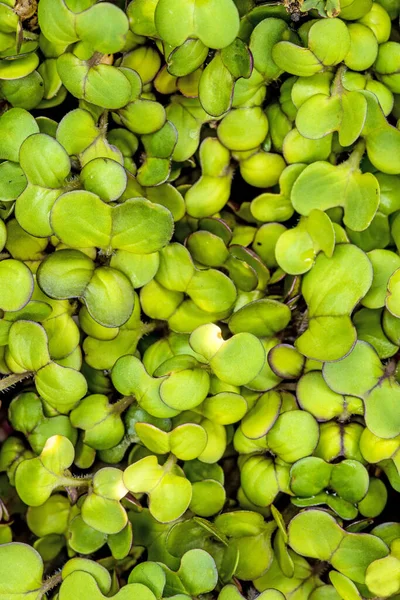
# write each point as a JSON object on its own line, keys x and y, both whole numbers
{"x": 10, "y": 380}
{"x": 76, "y": 482}
{"x": 147, "y": 328}
{"x": 51, "y": 583}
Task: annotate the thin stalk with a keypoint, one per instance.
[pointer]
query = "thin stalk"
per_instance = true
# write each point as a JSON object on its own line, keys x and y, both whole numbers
{"x": 356, "y": 156}
{"x": 103, "y": 123}
{"x": 337, "y": 86}
{"x": 147, "y": 328}
{"x": 74, "y": 183}
{"x": 76, "y": 482}
{"x": 10, "y": 380}
{"x": 95, "y": 59}
{"x": 51, "y": 583}
{"x": 288, "y": 387}
{"x": 171, "y": 461}
{"x": 122, "y": 404}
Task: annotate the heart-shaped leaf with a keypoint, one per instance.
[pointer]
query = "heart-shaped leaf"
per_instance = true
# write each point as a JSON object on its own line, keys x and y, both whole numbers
{"x": 94, "y": 286}
{"x": 309, "y": 61}
{"x": 346, "y": 186}
{"x": 363, "y": 549}
{"x": 169, "y": 491}
{"x": 344, "y": 112}
{"x": 102, "y": 84}
{"x": 101, "y": 509}
{"x": 86, "y": 585}
{"x": 176, "y": 22}
{"x": 36, "y": 478}
{"x": 331, "y": 302}
{"x": 120, "y": 227}
{"x": 104, "y": 27}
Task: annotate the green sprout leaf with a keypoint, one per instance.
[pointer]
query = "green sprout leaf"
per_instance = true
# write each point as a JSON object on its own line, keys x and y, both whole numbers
{"x": 175, "y": 22}
{"x": 312, "y": 544}
{"x": 81, "y": 580}
{"x": 29, "y": 562}
{"x": 94, "y": 286}
{"x": 36, "y": 478}
{"x": 169, "y": 491}
{"x": 329, "y": 310}
{"x": 16, "y": 284}
{"x": 346, "y": 186}
{"x": 16, "y": 125}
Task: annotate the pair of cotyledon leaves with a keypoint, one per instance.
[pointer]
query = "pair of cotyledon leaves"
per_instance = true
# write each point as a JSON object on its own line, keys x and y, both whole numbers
{"x": 349, "y": 480}
{"x": 18, "y": 58}
{"x": 182, "y": 383}
{"x": 46, "y": 165}
{"x": 350, "y": 554}
{"x": 123, "y": 227}
{"x": 28, "y": 351}
{"x": 229, "y": 540}
{"x": 198, "y": 21}
{"x": 90, "y": 580}
{"x": 168, "y": 489}
{"x": 362, "y": 374}
{"x": 332, "y": 289}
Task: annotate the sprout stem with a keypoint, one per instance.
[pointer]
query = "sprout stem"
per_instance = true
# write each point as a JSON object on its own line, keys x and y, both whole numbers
{"x": 171, "y": 461}
{"x": 147, "y": 328}
{"x": 95, "y": 59}
{"x": 103, "y": 123}
{"x": 356, "y": 156}
{"x": 122, "y": 404}
{"x": 51, "y": 583}
{"x": 337, "y": 86}
{"x": 10, "y": 380}
{"x": 76, "y": 482}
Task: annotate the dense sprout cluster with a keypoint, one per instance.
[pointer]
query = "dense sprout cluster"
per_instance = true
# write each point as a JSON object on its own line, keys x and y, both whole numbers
{"x": 199, "y": 299}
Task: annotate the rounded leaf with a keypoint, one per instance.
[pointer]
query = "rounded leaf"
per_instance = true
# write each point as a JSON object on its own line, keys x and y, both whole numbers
{"x": 304, "y": 534}
{"x": 16, "y": 285}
